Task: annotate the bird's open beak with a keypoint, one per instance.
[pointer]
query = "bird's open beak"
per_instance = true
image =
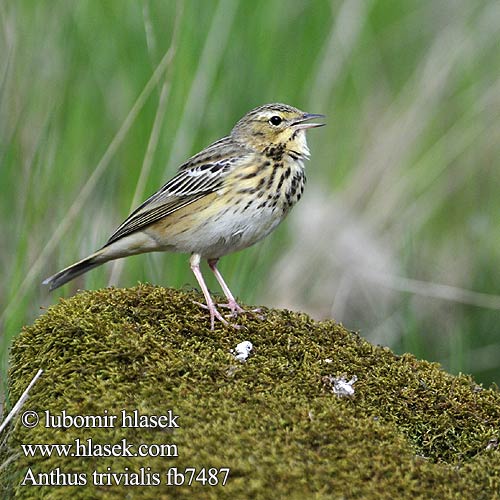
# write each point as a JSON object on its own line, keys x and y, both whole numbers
{"x": 303, "y": 123}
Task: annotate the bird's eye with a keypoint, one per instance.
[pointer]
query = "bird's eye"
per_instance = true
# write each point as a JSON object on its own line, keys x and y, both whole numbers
{"x": 275, "y": 120}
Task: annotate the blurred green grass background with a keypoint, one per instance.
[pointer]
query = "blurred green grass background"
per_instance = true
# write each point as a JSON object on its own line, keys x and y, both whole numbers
{"x": 398, "y": 234}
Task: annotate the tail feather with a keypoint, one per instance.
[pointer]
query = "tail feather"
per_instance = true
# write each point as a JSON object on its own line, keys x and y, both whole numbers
{"x": 71, "y": 272}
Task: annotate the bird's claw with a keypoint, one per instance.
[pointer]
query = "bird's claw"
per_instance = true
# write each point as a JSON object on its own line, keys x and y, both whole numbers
{"x": 237, "y": 309}
{"x": 214, "y": 313}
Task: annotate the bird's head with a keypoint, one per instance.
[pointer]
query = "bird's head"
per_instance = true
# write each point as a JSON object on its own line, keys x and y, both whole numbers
{"x": 273, "y": 125}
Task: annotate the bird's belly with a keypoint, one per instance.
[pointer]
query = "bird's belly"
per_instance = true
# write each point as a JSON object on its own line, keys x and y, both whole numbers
{"x": 220, "y": 232}
{"x": 231, "y": 231}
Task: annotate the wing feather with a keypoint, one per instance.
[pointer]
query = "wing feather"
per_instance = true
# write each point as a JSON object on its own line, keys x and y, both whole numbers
{"x": 200, "y": 176}
{"x": 143, "y": 219}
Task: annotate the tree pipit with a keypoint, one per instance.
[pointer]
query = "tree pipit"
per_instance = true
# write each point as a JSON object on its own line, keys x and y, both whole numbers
{"x": 226, "y": 198}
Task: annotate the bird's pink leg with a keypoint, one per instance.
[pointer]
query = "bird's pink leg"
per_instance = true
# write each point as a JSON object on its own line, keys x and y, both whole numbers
{"x": 232, "y": 304}
{"x": 214, "y": 313}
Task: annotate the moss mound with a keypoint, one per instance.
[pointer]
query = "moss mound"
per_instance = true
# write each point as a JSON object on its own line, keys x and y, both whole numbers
{"x": 409, "y": 431}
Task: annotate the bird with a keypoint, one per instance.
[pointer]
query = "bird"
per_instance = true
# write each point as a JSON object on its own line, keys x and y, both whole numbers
{"x": 227, "y": 197}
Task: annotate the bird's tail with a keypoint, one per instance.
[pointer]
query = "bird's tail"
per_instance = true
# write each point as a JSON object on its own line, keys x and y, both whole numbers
{"x": 71, "y": 272}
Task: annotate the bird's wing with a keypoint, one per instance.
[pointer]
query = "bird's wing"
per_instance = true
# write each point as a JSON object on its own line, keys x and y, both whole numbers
{"x": 201, "y": 175}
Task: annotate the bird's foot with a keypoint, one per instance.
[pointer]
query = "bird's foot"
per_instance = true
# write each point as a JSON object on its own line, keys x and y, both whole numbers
{"x": 236, "y": 309}
{"x": 214, "y": 313}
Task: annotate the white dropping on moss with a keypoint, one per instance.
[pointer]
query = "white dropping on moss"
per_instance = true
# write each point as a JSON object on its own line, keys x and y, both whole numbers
{"x": 242, "y": 350}
{"x": 341, "y": 386}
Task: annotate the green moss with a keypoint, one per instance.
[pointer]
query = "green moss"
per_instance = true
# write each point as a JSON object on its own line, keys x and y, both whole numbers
{"x": 410, "y": 430}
